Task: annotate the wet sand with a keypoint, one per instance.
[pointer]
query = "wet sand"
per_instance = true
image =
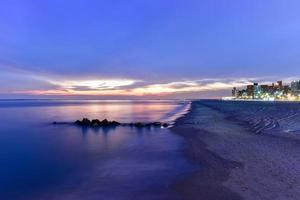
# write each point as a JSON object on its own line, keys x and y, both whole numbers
{"x": 232, "y": 162}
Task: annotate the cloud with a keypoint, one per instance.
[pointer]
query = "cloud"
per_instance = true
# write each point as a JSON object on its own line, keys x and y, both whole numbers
{"x": 14, "y": 81}
{"x": 99, "y": 84}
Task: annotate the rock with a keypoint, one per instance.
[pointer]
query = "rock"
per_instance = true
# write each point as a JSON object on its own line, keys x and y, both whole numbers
{"x": 105, "y": 123}
{"x": 115, "y": 123}
{"x": 86, "y": 122}
{"x": 96, "y": 122}
{"x": 78, "y": 122}
{"x": 165, "y": 125}
{"x": 139, "y": 124}
{"x": 83, "y": 122}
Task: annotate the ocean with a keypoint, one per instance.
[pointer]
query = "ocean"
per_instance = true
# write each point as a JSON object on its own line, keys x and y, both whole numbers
{"x": 40, "y": 160}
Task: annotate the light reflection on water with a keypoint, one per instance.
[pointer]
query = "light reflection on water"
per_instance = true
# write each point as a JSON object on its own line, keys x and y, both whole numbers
{"x": 42, "y": 161}
{"x": 124, "y": 111}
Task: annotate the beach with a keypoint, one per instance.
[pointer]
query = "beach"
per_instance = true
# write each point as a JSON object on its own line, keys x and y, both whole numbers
{"x": 234, "y": 159}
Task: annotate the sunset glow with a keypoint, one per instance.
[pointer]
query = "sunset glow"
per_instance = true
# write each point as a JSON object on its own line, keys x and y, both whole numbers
{"x": 123, "y": 87}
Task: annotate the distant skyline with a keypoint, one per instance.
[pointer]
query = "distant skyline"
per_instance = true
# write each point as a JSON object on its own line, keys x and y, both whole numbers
{"x": 132, "y": 49}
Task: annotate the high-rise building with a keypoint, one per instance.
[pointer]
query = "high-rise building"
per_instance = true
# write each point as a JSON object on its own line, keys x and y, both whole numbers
{"x": 295, "y": 87}
{"x": 234, "y": 93}
{"x": 279, "y": 83}
{"x": 250, "y": 91}
{"x": 264, "y": 88}
{"x": 257, "y": 90}
{"x": 269, "y": 92}
{"x": 286, "y": 89}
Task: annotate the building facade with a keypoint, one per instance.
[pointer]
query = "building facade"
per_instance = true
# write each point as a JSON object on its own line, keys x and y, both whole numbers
{"x": 269, "y": 92}
{"x": 295, "y": 87}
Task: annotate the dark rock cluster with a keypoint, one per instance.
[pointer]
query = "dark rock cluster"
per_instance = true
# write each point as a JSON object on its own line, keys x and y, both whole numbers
{"x": 97, "y": 123}
{"x": 105, "y": 123}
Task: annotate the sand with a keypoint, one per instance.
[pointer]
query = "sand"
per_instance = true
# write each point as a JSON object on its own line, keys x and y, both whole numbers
{"x": 232, "y": 162}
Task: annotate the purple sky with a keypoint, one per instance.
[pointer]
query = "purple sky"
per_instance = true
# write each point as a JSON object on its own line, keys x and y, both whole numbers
{"x": 126, "y": 49}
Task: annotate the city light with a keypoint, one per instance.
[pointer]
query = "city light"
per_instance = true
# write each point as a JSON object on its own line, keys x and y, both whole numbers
{"x": 272, "y": 92}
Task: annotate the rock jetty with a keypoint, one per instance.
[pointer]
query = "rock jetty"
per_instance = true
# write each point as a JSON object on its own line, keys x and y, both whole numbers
{"x": 85, "y": 122}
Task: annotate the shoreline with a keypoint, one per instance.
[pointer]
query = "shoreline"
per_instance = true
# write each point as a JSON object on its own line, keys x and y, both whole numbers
{"x": 261, "y": 100}
{"x": 232, "y": 162}
{"x": 205, "y": 182}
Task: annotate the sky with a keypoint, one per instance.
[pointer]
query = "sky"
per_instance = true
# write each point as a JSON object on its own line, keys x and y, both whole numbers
{"x": 127, "y": 49}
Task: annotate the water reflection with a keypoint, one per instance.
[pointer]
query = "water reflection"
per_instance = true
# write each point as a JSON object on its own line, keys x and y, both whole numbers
{"x": 43, "y": 161}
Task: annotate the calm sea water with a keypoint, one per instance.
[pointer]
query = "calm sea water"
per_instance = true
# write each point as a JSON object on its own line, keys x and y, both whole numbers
{"x": 39, "y": 160}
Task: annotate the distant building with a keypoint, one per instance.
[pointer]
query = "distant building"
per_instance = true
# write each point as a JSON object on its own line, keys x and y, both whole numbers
{"x": 234, "y": 93}
{"x": 257, "y": 91}
{"x": 264, "y": 88}
{"x": 269, "y": 92}
{"x": 279, "y": 84}
{"x": 295, "y": 87}
{"x": 250, "y": 91}
{"x": 286, "y": 90}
